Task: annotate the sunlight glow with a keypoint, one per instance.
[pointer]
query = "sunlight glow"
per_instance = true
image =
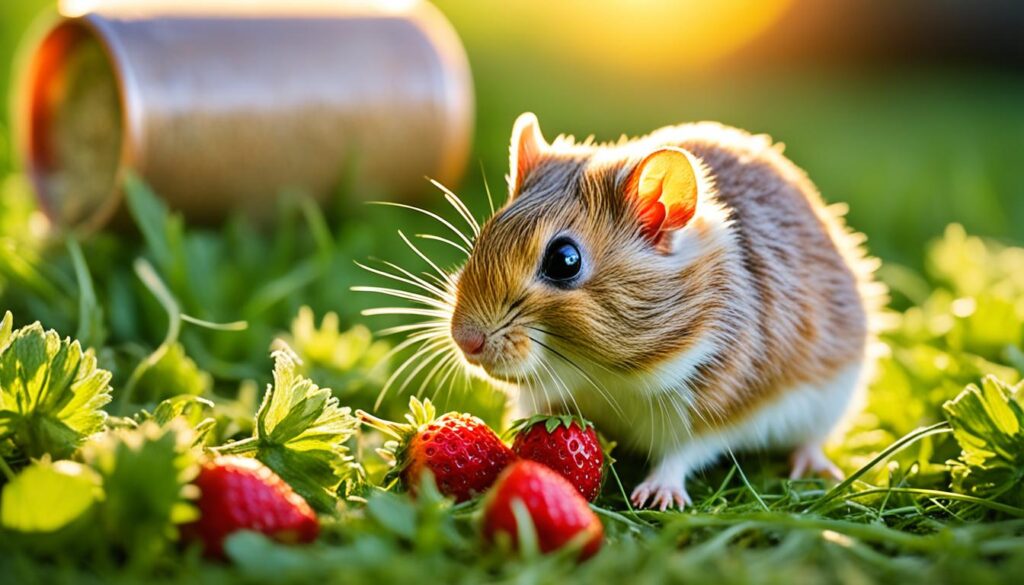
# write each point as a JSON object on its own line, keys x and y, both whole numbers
{"x": 243, "y": 7}
{"x": 640, "y": 35}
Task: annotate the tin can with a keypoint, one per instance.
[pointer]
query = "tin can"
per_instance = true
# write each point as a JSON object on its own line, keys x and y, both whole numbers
{"x": 222, "y": 111}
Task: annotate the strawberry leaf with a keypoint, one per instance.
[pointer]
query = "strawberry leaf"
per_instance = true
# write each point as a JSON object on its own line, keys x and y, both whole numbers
{"x": 47, "y": 496}
{"x": 193, "y": 410}
{"x": 349, "y": 361}
{"x": 988, "y": 423}
{"x": 51, "y": 392}
{"x": 146, "y": 473}
{"x": 301, "y": 434}
{"x": 174, "y": 374}
{"x": 550, "y": 422}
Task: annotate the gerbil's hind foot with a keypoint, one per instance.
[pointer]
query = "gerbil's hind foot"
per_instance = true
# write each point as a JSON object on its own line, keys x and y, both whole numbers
{"x": 654, "y": 492}
{"x": 810, "y": 460}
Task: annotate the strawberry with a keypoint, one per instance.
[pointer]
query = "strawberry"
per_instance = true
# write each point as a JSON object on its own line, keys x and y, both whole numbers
{"x": 566, "y": 444}
{"x": 559, "y": 513}
{"x": 240, "y": 493}
{"x": 464, "y": 455}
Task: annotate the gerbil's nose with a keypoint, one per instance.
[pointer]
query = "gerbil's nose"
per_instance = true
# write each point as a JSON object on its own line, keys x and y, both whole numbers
{"x": 469, "y": 339}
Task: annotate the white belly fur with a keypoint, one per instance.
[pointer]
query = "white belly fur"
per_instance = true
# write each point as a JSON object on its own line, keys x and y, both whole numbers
{"x": 652, "y": 417}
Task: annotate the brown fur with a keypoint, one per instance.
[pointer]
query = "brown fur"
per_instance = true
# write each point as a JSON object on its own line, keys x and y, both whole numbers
{"x": 780, "y": 289}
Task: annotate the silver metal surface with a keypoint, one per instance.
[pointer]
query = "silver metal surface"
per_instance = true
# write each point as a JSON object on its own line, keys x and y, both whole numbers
{"x": 220, "y": 112}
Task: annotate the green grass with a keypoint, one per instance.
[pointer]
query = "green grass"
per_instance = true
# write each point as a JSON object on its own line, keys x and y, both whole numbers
{"x": 906, "y": 514}
{"x": 910, "y": 151}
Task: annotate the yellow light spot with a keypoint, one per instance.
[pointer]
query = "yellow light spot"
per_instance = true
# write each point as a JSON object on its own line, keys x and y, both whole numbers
{"x": 964, "y": 307}
{"x": 643, "y": 36}
{"x": 836, "y": 538}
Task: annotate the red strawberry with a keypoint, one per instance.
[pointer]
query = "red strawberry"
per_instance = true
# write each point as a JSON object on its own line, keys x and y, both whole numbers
{"x": 559, "y": 513}
{"x": 566, "y": 444}
{"x": 464, "y": 455}
{"x": 239, "y": 493}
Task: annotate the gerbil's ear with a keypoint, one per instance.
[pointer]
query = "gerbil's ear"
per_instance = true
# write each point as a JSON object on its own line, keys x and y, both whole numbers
{"x": 663, "y": 188}
{"x": 525, "y": 150}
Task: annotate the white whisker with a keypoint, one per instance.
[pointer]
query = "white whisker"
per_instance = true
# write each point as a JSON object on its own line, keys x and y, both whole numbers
{"x": 437, "y": 352}
{"x": 614, "y": 404}
{"x": 440, "y": 291}
{"x": 459, "y": 206}
{"x": 487, "y": 188}
{"x": 448, "y": 373}
{"x": 433, "y": 371}
{"x": 444, "y": 222}
{"x": 443, "y": 240}
{"x": 401, "y": 294}
{"x": 429, "y": 346}
{"x": 403, "y": 311}
{"x": 413, "y": 280}
{"x": 411, "y": 327}
{"x": 564, "y": 389}
{"x": 433, "y": 278}
{"x": 447, "y": 277}
{"x": 411, "y": 340}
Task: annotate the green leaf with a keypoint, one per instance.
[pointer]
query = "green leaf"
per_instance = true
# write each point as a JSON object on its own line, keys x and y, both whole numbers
{"x": 191, "y": 408}
{"x": 395, "y": 513}
{"x": 301, "y": 433}
{"x": 51, "y": 392}
{"x": 194, "y": 411}
{"x": 550, "y": 422}
{"x": 90, "y": 314}
{"x": 6, "y": 326}
{"x": 146, "y": 473}
{"x": 153, "y": 218}
{"x": 349, "y": 362}
{"x": 988, "y": 423}
{"x": 174, "y": 374}
{"x": 47, "y": 496}
{"x": 258, "y": 556}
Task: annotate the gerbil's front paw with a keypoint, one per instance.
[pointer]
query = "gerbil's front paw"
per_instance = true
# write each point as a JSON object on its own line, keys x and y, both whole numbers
{"x": 811, "y": 460}
{"x": 657, "y": 493}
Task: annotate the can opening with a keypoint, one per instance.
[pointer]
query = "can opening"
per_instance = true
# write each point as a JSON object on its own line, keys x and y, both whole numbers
{"x": 75, "y": 126}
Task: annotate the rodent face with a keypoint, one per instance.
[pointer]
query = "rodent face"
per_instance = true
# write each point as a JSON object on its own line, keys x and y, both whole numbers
{"x": 564, "y": 271}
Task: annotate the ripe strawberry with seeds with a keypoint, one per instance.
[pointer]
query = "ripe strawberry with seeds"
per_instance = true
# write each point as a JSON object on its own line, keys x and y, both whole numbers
{"x": 559, "y": 513}
{"x": 464, "y": 455}
{"x": 239, "y": 493}
{"x": 566, "y": 444}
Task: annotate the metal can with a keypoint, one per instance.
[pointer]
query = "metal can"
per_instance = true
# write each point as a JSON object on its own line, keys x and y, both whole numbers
{"x": 221, "y": 111}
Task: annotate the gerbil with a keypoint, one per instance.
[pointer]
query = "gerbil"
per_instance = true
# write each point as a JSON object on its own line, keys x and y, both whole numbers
{"x": 688, "y": 291}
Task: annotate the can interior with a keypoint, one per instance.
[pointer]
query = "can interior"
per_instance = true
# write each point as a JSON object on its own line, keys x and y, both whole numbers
{"x": 75, "y": 131}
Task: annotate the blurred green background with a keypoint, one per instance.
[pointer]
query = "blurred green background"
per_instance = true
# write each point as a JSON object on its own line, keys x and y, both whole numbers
{"x": 913, "y": 117}
{"x": 912, "y": 144}
{"x": 913, "y": 136}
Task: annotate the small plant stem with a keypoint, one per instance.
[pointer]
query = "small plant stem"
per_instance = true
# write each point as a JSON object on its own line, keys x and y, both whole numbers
{"x": 144, "y": 270}
{"x": 1011, "y": 510}
{"x": 907, "y": 440}
{"x": 393, "y": 430}
{"x": 239, "y": 447}
{"x": 6, "y": 469}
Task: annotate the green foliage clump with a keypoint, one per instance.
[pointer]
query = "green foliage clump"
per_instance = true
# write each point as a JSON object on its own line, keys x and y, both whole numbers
{"x": 174, "y": 374}
{"x": 933, "y": 495}
{"x": 145, "y": 473}
{"x": 988, "y": 423}
{"x": 51, "y": 392}
{"x": 302, "y": 433}
{"x": 349, "y": 362}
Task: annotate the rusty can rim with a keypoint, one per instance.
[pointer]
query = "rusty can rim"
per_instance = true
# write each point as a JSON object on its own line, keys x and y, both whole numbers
{"x": 31, "y": 84}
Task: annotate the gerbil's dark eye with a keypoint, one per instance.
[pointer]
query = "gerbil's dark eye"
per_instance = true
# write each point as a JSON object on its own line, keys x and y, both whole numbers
{"x": 562, "y": 261}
